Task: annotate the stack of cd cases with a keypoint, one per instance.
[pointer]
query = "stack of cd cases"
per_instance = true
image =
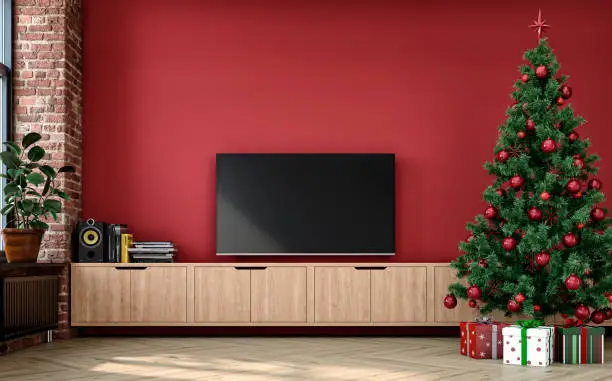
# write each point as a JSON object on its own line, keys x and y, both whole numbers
{"x": 152, "y": 252}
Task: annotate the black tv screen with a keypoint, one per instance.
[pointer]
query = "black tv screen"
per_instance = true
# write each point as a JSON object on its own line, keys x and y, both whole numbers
{"x": 305, "y": 204}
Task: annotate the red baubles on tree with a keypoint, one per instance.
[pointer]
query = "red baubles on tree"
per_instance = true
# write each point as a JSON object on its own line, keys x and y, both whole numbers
{"x": 534, "y": 214}
{"x": 572, "y": 282}
{"x": 516, "y": 182}
{"x": 566, "y": 92}
{"x": 521, "y": 135}
{"x": 537, "y": 308}
{"x": 594, "y": 184}
{"x": 548, "y": 145}
{"x": 474, "y": 292}
{"x": 530, "y": 125}
{"x": 450, "y": 301}
{"x": 573, "y": 186}
{"x": 509, "y": 243}
{"x": 519, "y": 298}
{"x": 472, "y": 304}
{"x": 608, "y": 313}
{"x": 560, "y": 101}
{"x": 598, "y": 214}
{"x": 570, "y": 240}
{"x": 501, "y": 192}
{"x": 545, "y": 196}
{"x": 542, "y": 258}
{"x": 503, "y": 156}
{"x": 573, "y": 136}
{"x": 490, "y": 213}
{"x": 541, "y": 72}
{"x": 598, "y": 317}
{"x": 580, "y": 226}
{"x": 579, "y": 162}
{"x": 513, "y": 306}
{"x": 483, "y": 263}
{"x": 582, "y": 312}
{"x": 610, "y": 298}
{"x": 525, "y": 78}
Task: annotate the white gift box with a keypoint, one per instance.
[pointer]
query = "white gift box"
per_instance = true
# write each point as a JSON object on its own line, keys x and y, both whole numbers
{"x": 539, "y": 344}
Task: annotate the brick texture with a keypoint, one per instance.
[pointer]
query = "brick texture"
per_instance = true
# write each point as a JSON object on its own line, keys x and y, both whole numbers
{"x": 47, "y": 98}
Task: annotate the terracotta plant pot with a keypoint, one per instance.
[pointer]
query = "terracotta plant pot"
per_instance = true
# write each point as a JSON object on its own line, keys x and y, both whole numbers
{"x": 22, "y": 245}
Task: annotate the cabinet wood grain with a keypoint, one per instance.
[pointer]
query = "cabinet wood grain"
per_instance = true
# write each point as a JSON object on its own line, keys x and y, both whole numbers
{"x": 342, "y": 295}
{"x": 278, "y": 294}
{"x": 159, "y": 294}
{"x": 222, "y": 295}
{"x": 399, "y": 294}
{"x": 100, "y": 295}
{"x": 444, "y": 276}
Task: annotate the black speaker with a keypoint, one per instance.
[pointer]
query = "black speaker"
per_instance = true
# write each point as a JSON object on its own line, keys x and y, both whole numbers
{"x": 90, "y": 238}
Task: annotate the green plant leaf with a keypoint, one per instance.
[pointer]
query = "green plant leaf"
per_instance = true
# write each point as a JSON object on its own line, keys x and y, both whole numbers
{"x": 35, "y": 178}
{"x": 7, "y": 209}
{"x": 60, "y": 193}
{"x": 33, "y": 192}
{"x": 32, "y": 165}
{"x": 14, "y": 147}
{"x": 11, "y": 189}
{"x": 10, "y": 159}
{"x": 37, "y": 224}
{"x": 46, "y": 187}
{"x": 36, "y": 153}
{"x": 26, "y": 206}
{"x": 52, "y": 205}
{"x": 66, "y": 168}
{"x": 21, "y": 181}
{"x": 47, "y": 170}
{"x": 14, "y": 172}
{"x": 37, "y": 210}
{"x": 53, "y": 214}
{"x": 30, "y": 139}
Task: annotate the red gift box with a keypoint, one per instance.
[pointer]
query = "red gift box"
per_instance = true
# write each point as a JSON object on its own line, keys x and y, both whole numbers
{"x": 482, "y": 340}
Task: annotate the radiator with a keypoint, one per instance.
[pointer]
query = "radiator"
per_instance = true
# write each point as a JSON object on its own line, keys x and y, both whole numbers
{"x": 29, "y": 305}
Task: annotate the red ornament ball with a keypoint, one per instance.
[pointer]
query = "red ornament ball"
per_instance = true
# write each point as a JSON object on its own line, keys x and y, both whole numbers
{"x": 474, "y": 292}
{"x": 610, "y": 298}
{"x": 566, "y": 92}
{"x": 541, "y": 72}
{"x": 548, "y": 145}
{"x": 534, "y": 214}
{"x": 577, "y": 195}
{"x": 530, "y": 125}
{"x": 537, "y": 308}
{"x": 570, "y": 240}
{"x": 582, "y": 312}
{"x": 580, "y": 226}
{"x": 598, "y": 317}
{"x": 572, "y": 282}
{"x": 501, "y": 192}
{"x": 573, "y": 136}
{"x": 509, "y": 243}
{"x": 516, "y": 181}
{"x": 490, "y": 213}
{"x": 608, "y": 312}
{"x": 450, "y": 301}
{"x": 587, "y": 272}
{"x": 503, "y": 156}
{"x": 598, "y": 214}
{"x": 525, "y": 78}
{"x": 578, "y": 162}
{"x": 594, "y": 184}
{"x": 573, "y": 186}
{"x": 513, "y": 306}
{"x": 472, "y": 304}
{"x": 483, "y": 263}
{"x": 542, "y": 258}
{"x": 469, "y": 237}
{"x": 521, "y": 135}
{"x": 560, "y": 101}
{"x": 545, "y": 196}
{"x": 520, "y": 298}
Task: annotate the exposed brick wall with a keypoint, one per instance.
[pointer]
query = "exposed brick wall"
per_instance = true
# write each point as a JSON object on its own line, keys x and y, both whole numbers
{"x": 47, "y": 61}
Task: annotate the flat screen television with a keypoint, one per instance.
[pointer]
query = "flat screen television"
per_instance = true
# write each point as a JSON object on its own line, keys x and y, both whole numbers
{"x": 305, "y": 204}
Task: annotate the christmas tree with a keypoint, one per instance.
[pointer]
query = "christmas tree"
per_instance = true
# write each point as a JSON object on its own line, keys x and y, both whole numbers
{"x": 543, "y": 244}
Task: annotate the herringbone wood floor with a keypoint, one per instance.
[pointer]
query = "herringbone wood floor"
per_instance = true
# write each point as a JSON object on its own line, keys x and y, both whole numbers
{"x": 274, "y": 359}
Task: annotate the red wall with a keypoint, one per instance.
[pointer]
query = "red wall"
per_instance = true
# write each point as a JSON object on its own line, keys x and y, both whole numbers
{"x": 167, "y": 84}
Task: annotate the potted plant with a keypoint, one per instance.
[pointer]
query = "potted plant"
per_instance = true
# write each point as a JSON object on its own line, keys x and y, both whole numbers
{"x": 30, "y": 197}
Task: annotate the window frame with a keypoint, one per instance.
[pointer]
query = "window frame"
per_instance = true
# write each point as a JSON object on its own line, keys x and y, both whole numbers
{"x": 6, "y": 93}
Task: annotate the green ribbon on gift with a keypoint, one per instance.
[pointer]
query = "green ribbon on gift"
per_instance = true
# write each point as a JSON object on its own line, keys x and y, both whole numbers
{"x": 525, "y": 325}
